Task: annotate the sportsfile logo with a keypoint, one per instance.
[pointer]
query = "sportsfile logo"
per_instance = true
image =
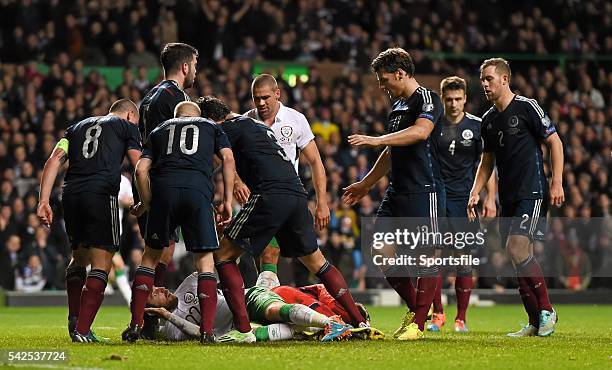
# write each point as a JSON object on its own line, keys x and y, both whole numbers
{"x": 422, "y": 235}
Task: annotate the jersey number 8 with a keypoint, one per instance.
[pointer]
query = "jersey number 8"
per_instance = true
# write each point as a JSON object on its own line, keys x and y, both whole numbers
{"x": 91, "y": 137}
{"x": 183, "y": 139}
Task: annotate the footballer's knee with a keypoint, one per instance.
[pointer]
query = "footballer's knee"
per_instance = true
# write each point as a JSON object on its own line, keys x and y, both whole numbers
{"x": 518, "y": 248}
{"x": 167, "y": 253}
{"x": 80, "y": 257}
{"x": 227, "y": 251}
{"x": 151, "y": 257}
{"x": 314, "y": 261}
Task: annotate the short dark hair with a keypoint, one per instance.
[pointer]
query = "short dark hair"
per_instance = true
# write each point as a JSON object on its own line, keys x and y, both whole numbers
{"x": 453, "y": 83}
{"x": 393, "y": 59}
{"x": 175, "y": 54}
{"x": 213, "y": 108}
{"x": 122, "y": 106}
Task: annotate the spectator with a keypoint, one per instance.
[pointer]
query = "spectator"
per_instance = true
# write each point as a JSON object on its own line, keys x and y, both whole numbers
{"x": 30, "y": 278}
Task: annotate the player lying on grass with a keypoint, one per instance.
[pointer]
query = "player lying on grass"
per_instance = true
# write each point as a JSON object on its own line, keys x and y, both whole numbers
{"x": 281, "y": 320}
{"x": 317, "y": 298}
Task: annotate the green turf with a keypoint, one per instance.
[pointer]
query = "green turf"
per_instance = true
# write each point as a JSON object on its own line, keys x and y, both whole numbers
{"x": 583, "y": 340}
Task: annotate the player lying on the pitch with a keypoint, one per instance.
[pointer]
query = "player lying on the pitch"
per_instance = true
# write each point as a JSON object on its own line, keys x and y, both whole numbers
{"x": 282, "y": 320}
{"x": 182, "y": 312}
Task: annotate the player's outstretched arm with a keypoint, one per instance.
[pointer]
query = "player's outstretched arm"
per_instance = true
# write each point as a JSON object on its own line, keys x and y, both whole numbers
{"x": 143, "y": 186}
{"x": 319, "y": 180}
{"x": 420, "y": 131}
{"x": 56, "y": 160}
{"x": 354, "y": 192}
{"x": 485, "y": 169}
{"x": 229, "y": 173}
{"x": 557, "y": 196}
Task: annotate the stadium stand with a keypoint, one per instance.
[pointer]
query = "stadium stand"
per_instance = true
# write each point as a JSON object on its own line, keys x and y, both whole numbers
{"x": 46, "y": 85}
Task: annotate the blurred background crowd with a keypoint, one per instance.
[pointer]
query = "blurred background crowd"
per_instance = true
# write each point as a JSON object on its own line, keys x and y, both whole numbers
{"x": 37, "y": 104}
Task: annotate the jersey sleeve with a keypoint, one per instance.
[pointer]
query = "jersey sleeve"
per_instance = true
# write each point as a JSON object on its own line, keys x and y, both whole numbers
{"x": 221, "y": 139}
{"x": 538, "y": 121}
{"x": 305, "y": 134}
{"x": 431, "y": 108}
{"x": 487, "y": 145}
{"x": 147, "y": 152}
{"x": 133, "y": 137}
{"x": 64, "y": 142}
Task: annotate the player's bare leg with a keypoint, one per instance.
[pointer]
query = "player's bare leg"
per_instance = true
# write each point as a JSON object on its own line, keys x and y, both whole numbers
{"x": 207, "y": 294}
{"x": 76, "y": 274}
{"x": 162, "y": 264}
{"x": 532, "y": 288}
{"x": 334, "y": 283}
{"x": 232, "y": 287}
{"x": 141, "y": 287}
{"x": 93, "y": 294}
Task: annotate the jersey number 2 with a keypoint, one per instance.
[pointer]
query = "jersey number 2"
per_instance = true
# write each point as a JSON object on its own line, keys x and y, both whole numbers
{"x": 183, "y": 140}
{"x": 91, "y": 137}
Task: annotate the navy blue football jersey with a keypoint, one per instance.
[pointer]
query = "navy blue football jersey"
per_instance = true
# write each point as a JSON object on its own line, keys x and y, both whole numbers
{"x": 158, "y": 105}
{"x": 459, "y": 147}
{"x": 515, "y": 136}
{"x": 260, "y": 162}
{"x": 182, "y": 151}
{"x": 415, "y": 168}
{"x": 96, "y": 147}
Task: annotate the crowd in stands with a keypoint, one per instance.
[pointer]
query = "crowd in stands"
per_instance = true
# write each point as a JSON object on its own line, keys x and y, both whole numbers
{"x": 36, "y": 107}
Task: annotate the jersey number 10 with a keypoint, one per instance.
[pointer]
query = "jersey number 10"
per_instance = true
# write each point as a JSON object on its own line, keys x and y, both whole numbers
{"x": 183, "y": 140}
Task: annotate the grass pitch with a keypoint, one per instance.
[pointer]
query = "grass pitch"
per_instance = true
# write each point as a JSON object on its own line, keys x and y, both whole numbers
{"x": 583, "y": 339}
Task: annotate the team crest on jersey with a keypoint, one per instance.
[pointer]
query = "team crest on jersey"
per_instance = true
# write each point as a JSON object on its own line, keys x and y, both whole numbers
{"x": 428, "y": 107}
{"x": 467, "y": 136}
{"x": 545, "y": 121}
{"x": 286, "y": 131}
{"x": 513, "y": 121}
{"x": 189, "y": 297}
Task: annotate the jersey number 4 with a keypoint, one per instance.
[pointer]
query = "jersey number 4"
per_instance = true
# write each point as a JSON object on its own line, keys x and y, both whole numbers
{"x": 451, "y": 148}
{"x": 195, "y": 134}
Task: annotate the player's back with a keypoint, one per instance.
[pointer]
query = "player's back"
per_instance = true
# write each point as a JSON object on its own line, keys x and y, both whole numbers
{"x": 182, "y": 151}
{"x": 96, "y": 147}
{"x": 458, "y": 149}
{"x": 260, "y": 162}
{"x": 158, "y": 106}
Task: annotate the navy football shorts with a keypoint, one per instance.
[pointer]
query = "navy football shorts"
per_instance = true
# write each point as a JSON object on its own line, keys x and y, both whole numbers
{"x": 524, "y": 217}
{"x": 92, "y": 220}
{"x": 422, "y": 208}
{"x": 187, "y": 208}
{"x": 283, "y": 216}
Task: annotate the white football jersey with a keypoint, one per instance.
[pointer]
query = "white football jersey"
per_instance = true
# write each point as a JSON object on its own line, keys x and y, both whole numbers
{"x": 291, "y": 129}
{"x": 189, "y": 309}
